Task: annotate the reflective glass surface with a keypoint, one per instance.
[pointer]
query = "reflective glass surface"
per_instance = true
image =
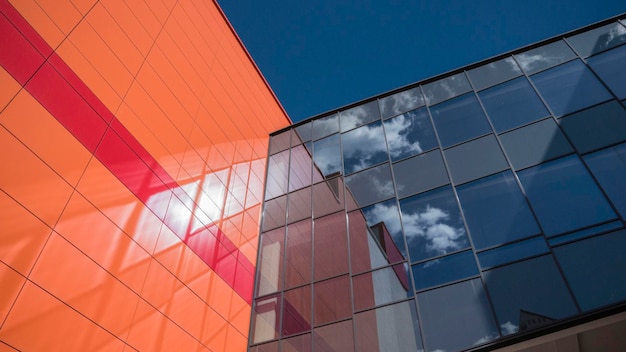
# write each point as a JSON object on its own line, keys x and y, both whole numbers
{"x": 398, "y": 103}
{"x": 512, "y": 104}
{"x": 274, "y": 212}
{"x": 359, "y": 115}
{"x": 599, "y": 39}
{"x": 512, "y": 252}
{"x": 280, "y": 142}
{"x": 544, "y": 57}
{"x": 364, "y": 147}
{"x": 445, "y": 269}
{"x": 277, "y": 175}
{"x": 327, "y": 155}
{"x": 330, "y": 246}
{"x": 609, "y": 168}
{"x": 266, "y": 347}
{"x": 459, "y": 119}
{"x": 300, "y": 168}
{"x": 328, "y": 196}
{"x": 595, "y": 269}
{"x": 371, "y": 185}
{"x": 381, "y": 286}
{"x": 266, "y": 319}
{"x": 610, "y": 67}
{"x": 525, "y": 302}
{"x": 420, "y": 173}
{"x": 590, "y": 231}
{"x": 389, "y": 329}
{"x": 271, "y": 264}
{"x": 298, "y": 262}
{"x": 496, "y": 210}
{"x": 325, "y": 126}
{"x": 432, "y": 224}
{"x": 334, "y": 337}
{"x": 302, "y": 134}
{"x": 569, "y": 87}
{"x": 548, "y": 142}
{"x": 459, "y": 310}
{"x": 596, "y": 127}
{"x": 300, "y": 343}
{"x": 296, "y": 310}
{"x": 494, "y": 73}
{"x": 299, "y": 205}
{"x": 446, "y": 88}
{"x": 475, "y": 159}
{"x": 332, "y": 300}
{"x": 409, "y": 134}
{"x": 564, "y": 196}
{"x": 383, "y": 220}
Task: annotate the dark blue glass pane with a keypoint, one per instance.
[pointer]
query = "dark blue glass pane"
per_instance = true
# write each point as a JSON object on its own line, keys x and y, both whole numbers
{"x": 609, "y": 168}
{"x": 363, "y": 147}
{"x": 573, "y": 236}
{"x": 459, "y": 119}
{"x": 610, "y": 67}
{"x": 496, "y": 211}
{"x": 432, "y": 224}
{"x": 526, "y": 292}
{"x": 595, "y": 269}
{"x": 369, "y": 186}
{"x": 569, "y": 87}
{"x": 409, "y": 134}
{"x": 512, "y": 104}
{"x": 598, "y": 39}
{"x": 564, "y": 196}
{"x": 443, "y": 270}
{"x": 327, "y": 155}
{"x": 512, "y": 252}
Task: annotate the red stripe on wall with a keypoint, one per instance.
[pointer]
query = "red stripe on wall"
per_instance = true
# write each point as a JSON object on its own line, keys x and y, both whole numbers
{"x": 53, "y": 83}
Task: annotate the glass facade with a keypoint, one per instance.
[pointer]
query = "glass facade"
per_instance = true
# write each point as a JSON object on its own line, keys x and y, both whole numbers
{"x": 453, "y": 214}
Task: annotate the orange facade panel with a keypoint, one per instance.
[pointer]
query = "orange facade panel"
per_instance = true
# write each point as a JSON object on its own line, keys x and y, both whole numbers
{"x": 133, "y": 136}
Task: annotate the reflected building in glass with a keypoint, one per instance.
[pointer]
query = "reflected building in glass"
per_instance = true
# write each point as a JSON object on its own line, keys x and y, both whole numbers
{"x": 483, "y": 209}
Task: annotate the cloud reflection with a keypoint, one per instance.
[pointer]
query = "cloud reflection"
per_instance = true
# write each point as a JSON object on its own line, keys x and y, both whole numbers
{"x": 509, "y": 328}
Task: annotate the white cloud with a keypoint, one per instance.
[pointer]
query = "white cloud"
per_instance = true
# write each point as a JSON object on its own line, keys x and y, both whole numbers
{"x": 429, "y": 225}
{"x": 397, "y": 133}
{"x": 484, "y": 339}
{"x": 509, "y": 328}
{"x": 387, "y": 214}
{"x": 401, "y": 102}
{"x": 615, "y": 33}
{"x": 353, "y": 117}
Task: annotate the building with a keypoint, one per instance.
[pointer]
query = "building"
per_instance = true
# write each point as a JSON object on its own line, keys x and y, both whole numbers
{"x": 133, "y": 147}
{"x": 483, "y": 209}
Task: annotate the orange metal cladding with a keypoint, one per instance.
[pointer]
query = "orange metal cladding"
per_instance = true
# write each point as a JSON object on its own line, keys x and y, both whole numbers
{"x": 133, "y": 138}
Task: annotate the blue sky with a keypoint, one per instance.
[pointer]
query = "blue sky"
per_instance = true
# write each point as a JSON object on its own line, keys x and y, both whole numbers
{"x": 321, "y": 55}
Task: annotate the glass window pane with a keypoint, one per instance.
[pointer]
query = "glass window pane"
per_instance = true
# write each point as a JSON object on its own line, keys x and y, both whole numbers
{"x": 475, "y": 159}
{"x": 277, "y": 175}
{"x": 297, "y": 310}
{"x": 610, "y": 67}
{"x": 548, "y": 142}
{"x": 569, "y": 87}
{"x": 609, "y": 168}
{"x": 381, "y": 286}
{"x": 512, "y": 104}
{"x": 300, "y": 168}
{"x": 446, "y": 88}
{"x": 599, "y": 39}
{"x": 298, "y": 263}
{"x": 325, "y": 126}
{"x": 494, "y": 73}
{"x": 330, "y": 246}
{"x": 299, "y": 205}
{"x": 364, "y": 147}
{"x": 589, "y": 231}
{"x": 389, "y": 329}
{"x": 432, "y": 224}
{"x": 595, "y": 269}
{"x": 544, "y": 57}
{"x": 332, "y": 300}
{"x": 420, "y": 173}
{"x": 274, "y": 213}
{"x": 334, "y": 338}
{"x": 328, "y": 197}
{"x": 271, "y": 264}
{"x": 512, "y": 252}
{"x": 409, "y": 134}
{"x": 303, "y": 134}
{"x": 383, "y": 220}
{"x": 266, "y": 347}
{"x": 445, "y": 269}
{"x": 371, "y": 185}
{"x": 327, "y": 155}
{"x": 459, "y": 119}
{"x": 370, "y": 247}
{"x": 459, "y": 310}
{"x": 359, "y": 115}
{"x": 564, "y": 196}
{"x": 528, "y": 295}
{"x": 280, "y": 142}
{"x": 401, "y": 102}
{"x": 596, "y": 127}
{"x": 301, "y": 343}
{"x": 496, "y": 210}
{"x": 266, "y": 319}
